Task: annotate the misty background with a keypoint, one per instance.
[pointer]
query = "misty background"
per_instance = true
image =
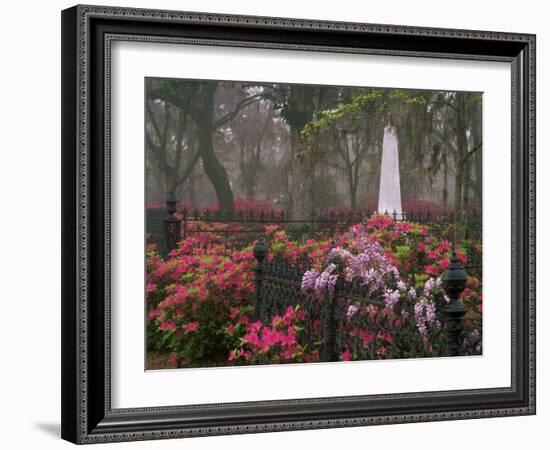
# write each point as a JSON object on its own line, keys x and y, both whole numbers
{"x": 303, "y": 147}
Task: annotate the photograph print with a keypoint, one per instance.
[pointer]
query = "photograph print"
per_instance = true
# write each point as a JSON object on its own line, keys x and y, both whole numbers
{"x": 291, "y": 223}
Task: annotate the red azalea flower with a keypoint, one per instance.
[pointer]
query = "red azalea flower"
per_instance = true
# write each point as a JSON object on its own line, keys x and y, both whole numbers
{"x": 346, "y": 356}
{"x": 190, "y": 327}
{"x": 252, "y": 338}
{"x": 462, "y": 257}
{"x": 431, "y": 270}
{"x": 255, "y": 327}
{"x": 367, "y": 339}
{"x": 168, "y": 325}
{"x": 404, "y": 227}
{"x": 444, "y": 246}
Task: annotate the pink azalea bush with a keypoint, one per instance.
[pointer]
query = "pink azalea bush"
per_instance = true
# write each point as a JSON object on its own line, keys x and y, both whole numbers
{"x": 190, "y": 297}
{"x": 277, "y": 342}
{"x": 203, "y": 291}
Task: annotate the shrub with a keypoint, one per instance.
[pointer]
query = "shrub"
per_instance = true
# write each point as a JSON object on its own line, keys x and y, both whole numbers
{"x": 190, "y": 297}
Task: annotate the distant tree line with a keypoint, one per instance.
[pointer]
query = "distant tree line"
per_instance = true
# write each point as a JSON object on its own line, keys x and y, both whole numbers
{"x": 302, "y": 146}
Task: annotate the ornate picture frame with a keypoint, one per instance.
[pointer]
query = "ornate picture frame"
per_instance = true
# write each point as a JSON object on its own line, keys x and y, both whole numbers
{"x": 88, "y": 33}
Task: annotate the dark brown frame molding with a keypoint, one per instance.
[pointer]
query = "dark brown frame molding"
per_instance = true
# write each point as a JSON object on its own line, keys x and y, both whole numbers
{"x": 87, "y": 34}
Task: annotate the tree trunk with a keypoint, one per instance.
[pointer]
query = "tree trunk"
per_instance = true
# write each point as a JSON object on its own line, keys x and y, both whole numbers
{"x": 445, "y": 180}
{"x": 353, "y": 196}
{"x": 192, "y": 189}
{"x": 466, "y": 186}
{"x": 249, "y": 169}
{"x": 460, "y": 166}
{"x": 301, "y": 109}
{"x": 250, "y": 189}
{"x": 213, "y": 169}
{"x": 478, "y": 156}
{"x": 298, "y": 179}
{"x": 215, "y": 172}
{"x": 353, "y": 181}
{"x": 466, "y": 198}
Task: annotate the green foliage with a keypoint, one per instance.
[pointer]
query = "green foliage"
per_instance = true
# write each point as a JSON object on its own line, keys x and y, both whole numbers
{"x": 374, "y": 103}
{"x": 402, "y": 252}
{"x": 278, "y": 248}
{"x": 297, "y": 231}
{"x": 210, "y": 341}
{"x": 294, "y": 117}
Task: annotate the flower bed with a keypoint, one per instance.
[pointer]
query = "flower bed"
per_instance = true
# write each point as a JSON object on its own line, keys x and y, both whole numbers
{"x": 200, "y": 300}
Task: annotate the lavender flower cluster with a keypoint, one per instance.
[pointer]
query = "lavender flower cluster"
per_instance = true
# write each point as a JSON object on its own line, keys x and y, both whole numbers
{"x": 424, "y": 314}
{"x": 366, "y": 261}
{"x": 391, "y": 298}
{"x": 320, "y": 283}
{"x": 368, "y": 264}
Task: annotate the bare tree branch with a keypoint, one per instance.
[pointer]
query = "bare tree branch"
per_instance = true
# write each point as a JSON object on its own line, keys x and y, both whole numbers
{"x": 189, "y": 169}
{"x": 175, "y": 100}
{"x": 471, "y": 152}
{"x": 229, "y": 116}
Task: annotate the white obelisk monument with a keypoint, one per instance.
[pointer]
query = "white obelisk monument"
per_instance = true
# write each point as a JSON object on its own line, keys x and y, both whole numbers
{"x": 389, "y": 196}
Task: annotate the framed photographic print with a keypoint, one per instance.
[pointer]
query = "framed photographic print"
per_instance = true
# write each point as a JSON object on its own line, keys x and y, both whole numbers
{"x": 283, "y": 224}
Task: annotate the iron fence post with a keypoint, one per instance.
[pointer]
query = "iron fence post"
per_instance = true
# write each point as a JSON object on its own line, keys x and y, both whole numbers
{"x": 184, "y": 215}
{"x": 171, "y": 228}
{"x": 328, "y": 346}
{"x": 454, "y": 281}
{"x": 260, "y": 253}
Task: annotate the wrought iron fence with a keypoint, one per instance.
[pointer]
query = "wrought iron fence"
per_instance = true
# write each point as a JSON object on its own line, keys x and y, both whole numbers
{"x": 242, "y": 228}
